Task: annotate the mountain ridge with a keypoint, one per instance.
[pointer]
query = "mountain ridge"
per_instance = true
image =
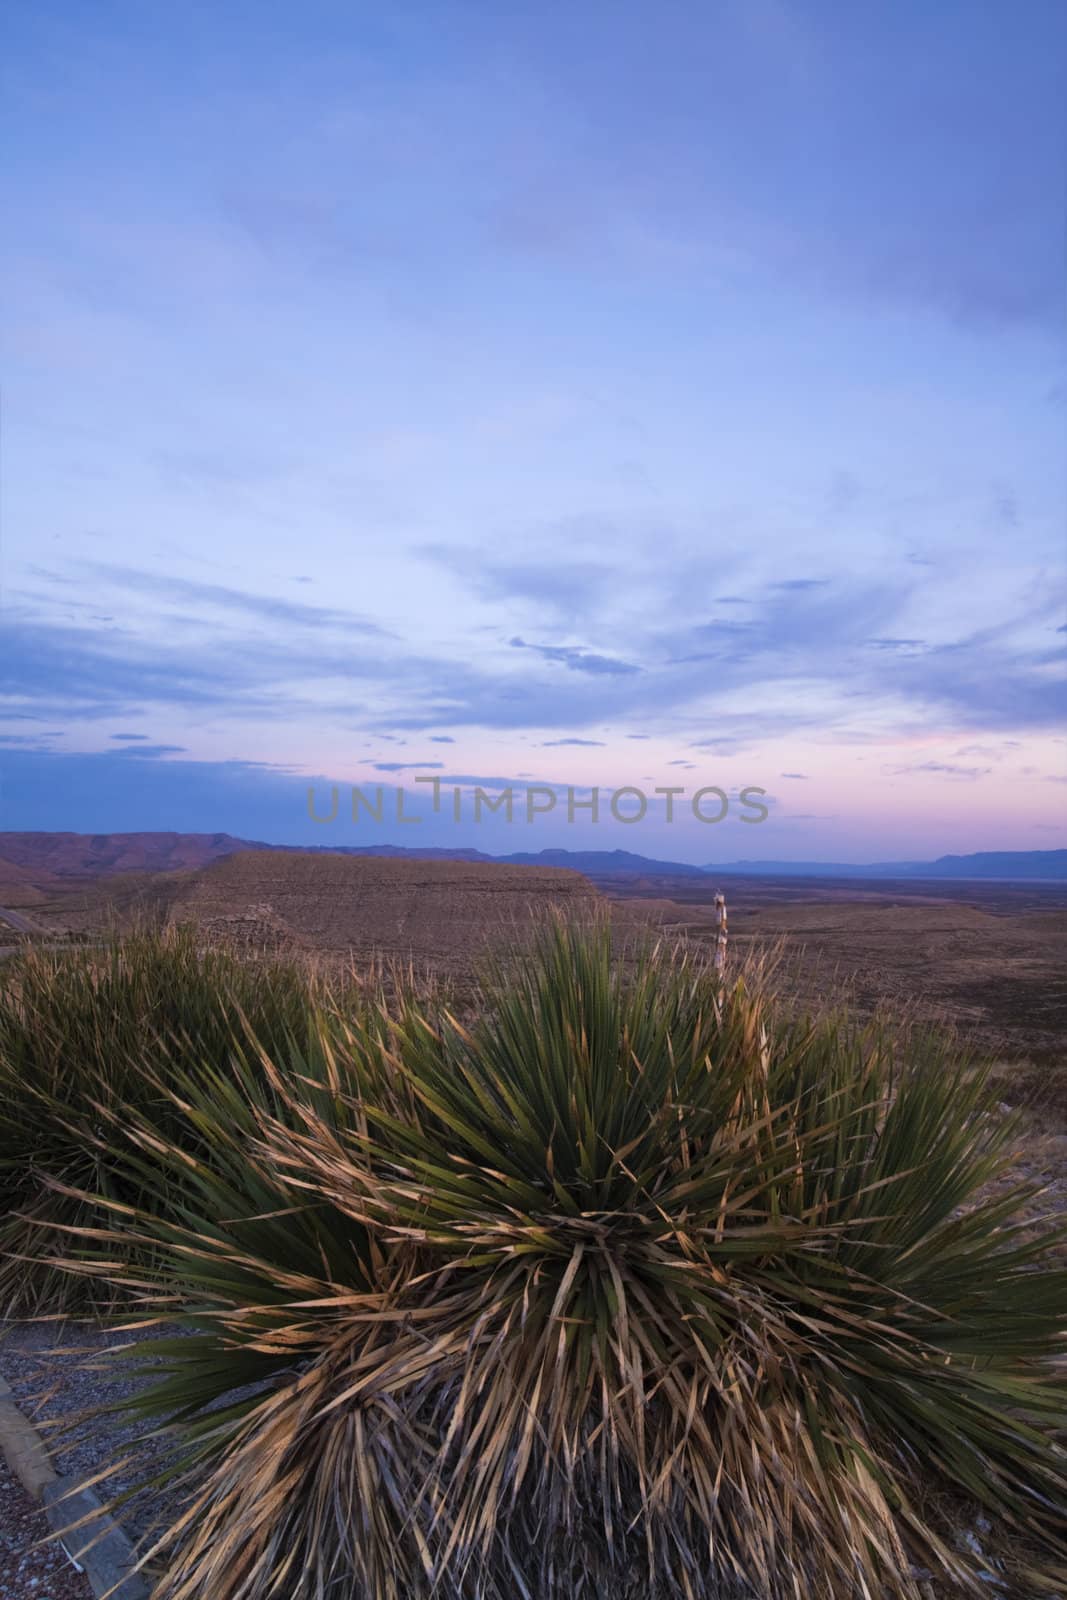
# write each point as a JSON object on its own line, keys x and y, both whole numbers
{"x": 74, "y": 855}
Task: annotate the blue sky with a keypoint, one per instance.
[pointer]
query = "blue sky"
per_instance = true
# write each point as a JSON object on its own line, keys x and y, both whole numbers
{"x": 581, "y": 394}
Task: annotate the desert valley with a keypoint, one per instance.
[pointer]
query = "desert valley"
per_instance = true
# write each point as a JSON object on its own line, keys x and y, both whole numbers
{"x": 987, "y": 956}
{"x": 121, "y": 951}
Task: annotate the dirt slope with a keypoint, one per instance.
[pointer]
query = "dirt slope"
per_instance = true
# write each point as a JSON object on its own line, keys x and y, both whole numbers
{"x": 18, "y": 886}
{"x": 440, "y": 912}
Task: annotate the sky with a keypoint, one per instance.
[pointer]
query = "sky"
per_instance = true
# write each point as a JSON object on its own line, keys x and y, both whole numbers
{"x": 573, "y": 394}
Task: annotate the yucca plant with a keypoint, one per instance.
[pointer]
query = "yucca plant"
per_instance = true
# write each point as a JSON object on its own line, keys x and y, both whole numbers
{"x": 626, "y": 1289}
{"x": 85, "y": 1034}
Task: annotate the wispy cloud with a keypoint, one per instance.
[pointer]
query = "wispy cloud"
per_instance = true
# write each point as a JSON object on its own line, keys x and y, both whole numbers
{"x": 816, "y": 637}
{"x": 556, "y": 585}
{"x": 178, "y": 591}
{"x": 407, "y": 766}
{"x": 148, "y": 752}
{"x": 942, "y": 768}
{"x": 577, "y": 659}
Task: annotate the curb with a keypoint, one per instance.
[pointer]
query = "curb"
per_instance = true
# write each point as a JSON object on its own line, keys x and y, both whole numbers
{"x": 23, "y": 1447}
{"x": 98, "y": 1547}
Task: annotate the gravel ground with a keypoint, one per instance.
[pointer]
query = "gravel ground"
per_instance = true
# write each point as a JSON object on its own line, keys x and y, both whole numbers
{"x": 28, "y": 1569}
{"x": 57, "y": 1372}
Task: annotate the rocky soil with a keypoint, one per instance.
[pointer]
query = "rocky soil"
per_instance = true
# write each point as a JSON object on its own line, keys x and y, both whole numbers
{"x": 32, "y": 1565}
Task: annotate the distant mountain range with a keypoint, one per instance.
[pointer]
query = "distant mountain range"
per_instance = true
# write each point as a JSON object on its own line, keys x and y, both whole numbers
{"x": 604, "y": 863}
{"x": 1008, "y": 865}
{"x": 90, "y": 855}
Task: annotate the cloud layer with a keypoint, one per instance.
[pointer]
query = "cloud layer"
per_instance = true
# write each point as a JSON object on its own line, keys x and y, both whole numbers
{"x": 687, "y": 406}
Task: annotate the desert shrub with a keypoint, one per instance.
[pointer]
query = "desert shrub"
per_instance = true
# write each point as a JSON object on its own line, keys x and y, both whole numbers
{"x": 86, "y": 1036}
{"x": 625, "y": 1289}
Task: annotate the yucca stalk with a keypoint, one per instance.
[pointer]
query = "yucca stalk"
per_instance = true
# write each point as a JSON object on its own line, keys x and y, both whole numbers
{"x": 627, "y": 1289}
{"x": 85, "y": 1034}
